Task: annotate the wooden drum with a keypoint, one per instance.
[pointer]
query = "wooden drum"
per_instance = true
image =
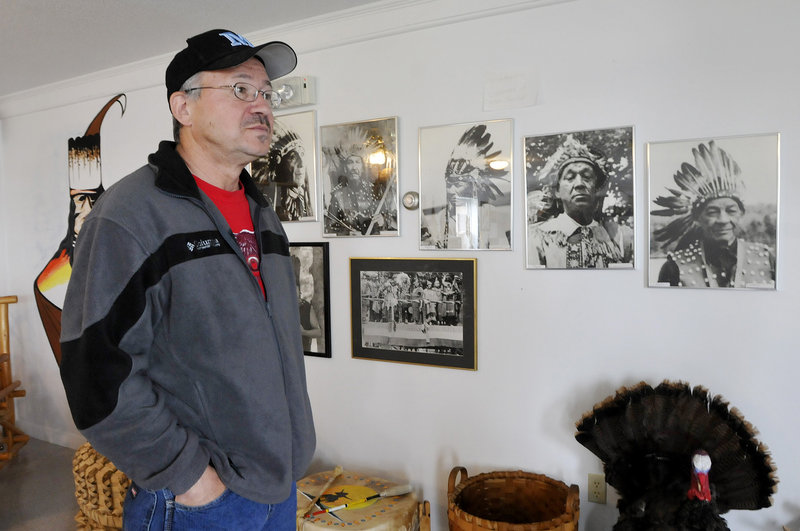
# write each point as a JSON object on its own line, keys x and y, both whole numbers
{"x": 391, "y": 513}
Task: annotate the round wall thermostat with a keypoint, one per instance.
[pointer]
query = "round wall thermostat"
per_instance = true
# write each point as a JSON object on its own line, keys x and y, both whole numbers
{"x": 411, "y": 200}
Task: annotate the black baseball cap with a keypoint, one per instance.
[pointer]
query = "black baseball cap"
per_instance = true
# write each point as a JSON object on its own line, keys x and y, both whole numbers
{"x": 219, "y": 49}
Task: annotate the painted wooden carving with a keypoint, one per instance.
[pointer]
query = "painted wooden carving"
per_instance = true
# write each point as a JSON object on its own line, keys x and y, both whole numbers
{"x": 85, "y": 186}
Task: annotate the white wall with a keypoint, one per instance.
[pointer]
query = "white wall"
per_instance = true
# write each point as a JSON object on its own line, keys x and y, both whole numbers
{"x": 550, "y": 343}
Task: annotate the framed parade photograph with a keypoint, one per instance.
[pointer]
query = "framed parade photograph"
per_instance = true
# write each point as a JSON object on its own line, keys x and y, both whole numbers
{"x": 312, "y": 275}
{"x": 579, "y": 200}
{"x": 466, "y": 182}
{"x": 359, "y": 178}
{"x": 415, "y": 310}
{"x": 287, "y": 175}
{"x": 714, "y": 212}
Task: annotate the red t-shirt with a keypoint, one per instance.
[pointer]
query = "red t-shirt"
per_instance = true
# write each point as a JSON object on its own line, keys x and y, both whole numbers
{"x": 236, "y": 209}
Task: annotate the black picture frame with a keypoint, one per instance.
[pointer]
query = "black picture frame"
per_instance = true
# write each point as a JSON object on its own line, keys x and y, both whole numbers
{"x": 397, "y": 315}
{"x": 312, "y": 268}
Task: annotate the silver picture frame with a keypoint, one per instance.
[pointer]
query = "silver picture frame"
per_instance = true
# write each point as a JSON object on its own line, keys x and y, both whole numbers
{"x": 713, "y": 212}
{"x": 359, "y": 175}
{"x": 287, "y": 175}
{"x": 466, "y": 186}
{"x": 579, "y": 199}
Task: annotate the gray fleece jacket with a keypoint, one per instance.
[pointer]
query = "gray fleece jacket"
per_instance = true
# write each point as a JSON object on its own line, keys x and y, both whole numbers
{"x": 171, "y": 357}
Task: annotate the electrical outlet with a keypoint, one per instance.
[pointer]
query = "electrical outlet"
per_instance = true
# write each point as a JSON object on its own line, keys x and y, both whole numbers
{"x": 596, "y": 491}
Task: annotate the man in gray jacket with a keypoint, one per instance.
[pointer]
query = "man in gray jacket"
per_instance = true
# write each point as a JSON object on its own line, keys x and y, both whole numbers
{"x": 182, "y": 354}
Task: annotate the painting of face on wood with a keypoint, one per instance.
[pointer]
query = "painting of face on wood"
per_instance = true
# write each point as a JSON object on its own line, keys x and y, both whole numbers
{"x": 85, "y": 186}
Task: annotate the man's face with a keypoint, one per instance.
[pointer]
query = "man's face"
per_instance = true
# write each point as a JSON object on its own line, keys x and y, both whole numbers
{"x": 353, "y": 166}
{"x": 719, "y": 220}
{"x": 297, "y": 168}
{"x": 228, "y": 127}
{"x": 548, "y": 199}
{"x": 577, "y": 187}
{"x": 83, "y": 200}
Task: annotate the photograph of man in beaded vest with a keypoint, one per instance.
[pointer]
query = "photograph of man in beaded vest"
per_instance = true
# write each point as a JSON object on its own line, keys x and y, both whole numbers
{"x": 714, "y": 212}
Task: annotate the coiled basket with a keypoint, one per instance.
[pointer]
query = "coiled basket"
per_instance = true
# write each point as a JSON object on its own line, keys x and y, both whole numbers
{"x": 511, "y": 501}
{"x": 100, "y": 490}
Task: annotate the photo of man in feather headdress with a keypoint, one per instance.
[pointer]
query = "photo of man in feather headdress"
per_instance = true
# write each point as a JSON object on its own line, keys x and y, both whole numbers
{"x": 713, "y": 219}
{"x": 580, "y": 199}
{"x": 287, "y": 174}
{"x": 465, "y": 180}
{"x": 359, "y": 169}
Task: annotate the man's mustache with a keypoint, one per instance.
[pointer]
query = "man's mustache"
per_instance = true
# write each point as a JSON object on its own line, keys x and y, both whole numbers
{"x": 258, "y": 119}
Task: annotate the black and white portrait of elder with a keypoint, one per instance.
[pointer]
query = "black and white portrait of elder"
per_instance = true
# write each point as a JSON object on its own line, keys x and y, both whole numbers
{"x": 579, "y": 199}
{"x": 287, "y": 174}
{"x": 713, "y": 217}
{"x": 359, "y": 176}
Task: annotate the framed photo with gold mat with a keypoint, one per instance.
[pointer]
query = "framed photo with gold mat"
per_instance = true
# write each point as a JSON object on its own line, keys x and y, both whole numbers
{"x": 415, "y": 310}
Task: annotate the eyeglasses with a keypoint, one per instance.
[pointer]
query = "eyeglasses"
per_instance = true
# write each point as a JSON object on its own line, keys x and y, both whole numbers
{"x": 242, "y": 91}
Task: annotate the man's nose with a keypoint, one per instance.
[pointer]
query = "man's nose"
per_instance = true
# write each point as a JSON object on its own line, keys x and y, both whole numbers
{"x": 262, "y": 106}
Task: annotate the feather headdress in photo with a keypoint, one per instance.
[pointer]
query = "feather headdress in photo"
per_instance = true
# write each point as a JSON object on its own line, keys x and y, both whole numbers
{"x": 284, "y": 142}
{"x": 353, "y": 142}
{"x": 570, "y": 151}
{"x": 714, "y": 175}
{"x": 468, "y": 172}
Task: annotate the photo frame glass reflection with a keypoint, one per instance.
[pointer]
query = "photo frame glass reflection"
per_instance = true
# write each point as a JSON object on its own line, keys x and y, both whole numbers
{"x": 466, "y": 183}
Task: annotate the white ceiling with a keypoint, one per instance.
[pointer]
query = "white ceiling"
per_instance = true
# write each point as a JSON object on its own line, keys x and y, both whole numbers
{"x": 46, "y": 41}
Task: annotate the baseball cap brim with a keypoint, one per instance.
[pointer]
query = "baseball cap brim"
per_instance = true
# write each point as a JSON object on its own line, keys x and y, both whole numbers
{"x": 278, "y": 58}
{"x": 221, "y": 49}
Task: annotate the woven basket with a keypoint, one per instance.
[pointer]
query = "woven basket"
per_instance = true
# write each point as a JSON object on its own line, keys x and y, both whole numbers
{"x": 511, "y": 501}
{"x": 100, "y": 490}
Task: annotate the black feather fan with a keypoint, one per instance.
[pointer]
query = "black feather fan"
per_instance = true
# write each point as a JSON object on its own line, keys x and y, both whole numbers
{"x": 646, "y": 437}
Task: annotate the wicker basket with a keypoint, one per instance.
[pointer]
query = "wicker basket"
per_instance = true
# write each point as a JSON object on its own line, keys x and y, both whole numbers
{"x": 511, "y": 501}
{"x": 100, "y": 490}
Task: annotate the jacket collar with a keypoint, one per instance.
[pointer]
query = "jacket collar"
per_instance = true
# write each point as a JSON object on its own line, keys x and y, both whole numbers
{"x": 174, "y": 177}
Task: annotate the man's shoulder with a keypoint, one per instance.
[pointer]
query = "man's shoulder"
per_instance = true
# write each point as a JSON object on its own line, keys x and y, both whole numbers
{"x": 755, "y": 246}
{"x": 550, "y": 225}
{"x": 129, "y": 188}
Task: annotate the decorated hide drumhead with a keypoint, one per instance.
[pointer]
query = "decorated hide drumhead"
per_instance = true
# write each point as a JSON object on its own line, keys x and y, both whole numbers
{"x": 395, "y": 513}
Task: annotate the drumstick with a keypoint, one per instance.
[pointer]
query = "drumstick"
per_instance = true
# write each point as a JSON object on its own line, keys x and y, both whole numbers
{"x": 398, "y": 490}
{"x": 336, "y": 473}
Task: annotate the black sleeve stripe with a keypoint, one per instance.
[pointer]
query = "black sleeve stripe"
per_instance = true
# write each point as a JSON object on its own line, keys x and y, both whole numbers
{"x": 272, "y": 243}
{"x": 93, "y": 366}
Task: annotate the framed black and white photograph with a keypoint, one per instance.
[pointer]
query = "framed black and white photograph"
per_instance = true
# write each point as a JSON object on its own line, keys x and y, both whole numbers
{"x": 359, "y": 178}
{"x": 466, "y": 183}
{"x": 579, "y": 192}
{"x": 312, "y": 275}
{"x": 287, "y": 175}
{"x": 714, "y": 212}
{"x": 414, "y": 310}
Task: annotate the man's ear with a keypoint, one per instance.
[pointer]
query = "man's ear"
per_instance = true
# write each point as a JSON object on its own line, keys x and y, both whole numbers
{"x": 179, "y": 106}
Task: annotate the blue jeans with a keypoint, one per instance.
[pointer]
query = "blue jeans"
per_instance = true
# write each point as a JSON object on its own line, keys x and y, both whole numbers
{"x": 156, "y": 510}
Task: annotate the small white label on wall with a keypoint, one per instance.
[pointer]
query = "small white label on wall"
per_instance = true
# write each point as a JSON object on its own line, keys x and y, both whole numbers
{"x": 511, "y": 91}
